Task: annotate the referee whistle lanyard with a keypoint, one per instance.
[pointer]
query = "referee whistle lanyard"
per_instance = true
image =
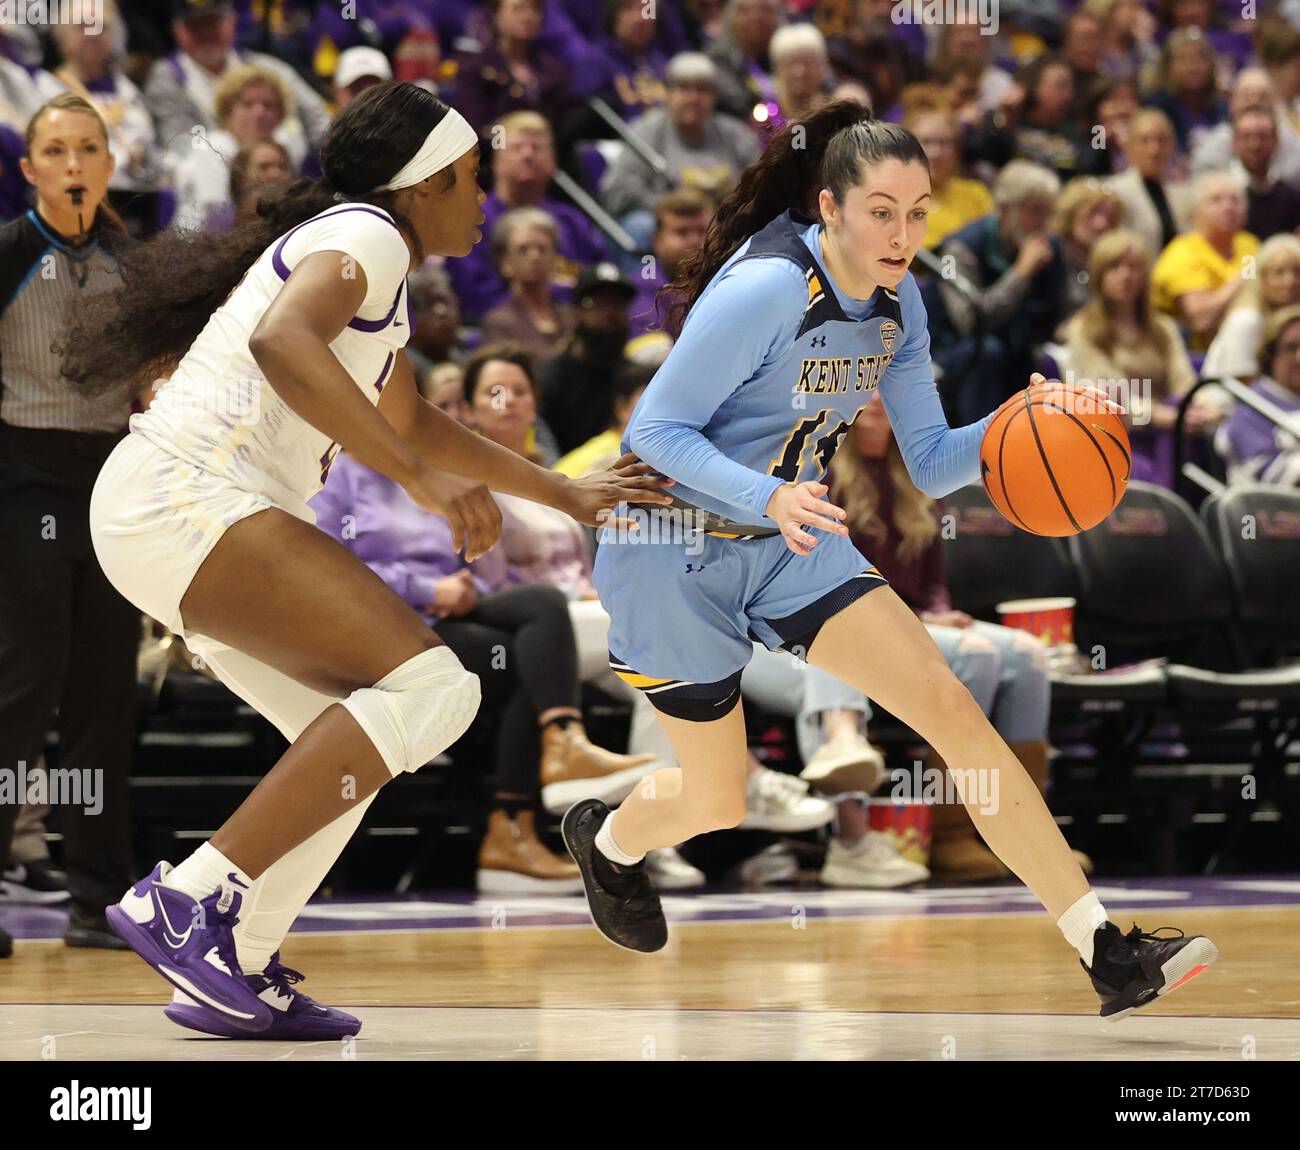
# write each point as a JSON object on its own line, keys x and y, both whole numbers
{"x": 79, "y": 270}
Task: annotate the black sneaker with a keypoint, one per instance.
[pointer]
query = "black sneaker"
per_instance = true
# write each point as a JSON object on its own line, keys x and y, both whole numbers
{"x": 1134, "y": 969}
{"x": 37, "y": 884}
{"x": 92, "y": 932}
{"x": 630, "y": 915}
{"x": 6, "y": 944}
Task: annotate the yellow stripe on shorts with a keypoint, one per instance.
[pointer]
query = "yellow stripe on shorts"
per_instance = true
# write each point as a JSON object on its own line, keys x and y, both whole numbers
{"x": 641, "y": 681}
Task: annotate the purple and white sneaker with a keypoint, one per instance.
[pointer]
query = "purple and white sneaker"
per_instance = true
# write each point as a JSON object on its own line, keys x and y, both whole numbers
{"x": 189, "y": 942}
{"x": 296, "y": 1017}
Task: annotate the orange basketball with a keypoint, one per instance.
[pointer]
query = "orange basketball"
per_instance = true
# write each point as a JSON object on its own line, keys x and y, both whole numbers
{"x": 1056, "y": 459}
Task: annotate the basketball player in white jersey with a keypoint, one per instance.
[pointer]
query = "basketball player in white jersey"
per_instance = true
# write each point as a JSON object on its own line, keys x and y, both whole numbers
{"x": 284, "y": 344}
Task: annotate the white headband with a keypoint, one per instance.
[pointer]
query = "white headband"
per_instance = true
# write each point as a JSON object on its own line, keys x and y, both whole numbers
{"x": 450, "y": 140}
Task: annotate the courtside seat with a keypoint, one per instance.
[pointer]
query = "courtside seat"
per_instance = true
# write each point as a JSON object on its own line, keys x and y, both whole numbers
{"x": 1249, "y": 692}
{"x": 1256, "y": 528}
{"x": 1111, "y": 691}
{"x": 1153, "y": 579}
{"x": 1152, "y": 583}
{"x": 990, "y": 560}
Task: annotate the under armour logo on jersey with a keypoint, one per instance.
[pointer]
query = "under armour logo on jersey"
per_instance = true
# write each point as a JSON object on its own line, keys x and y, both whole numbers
{"x": 692, "y": 567}
{"x": 819, "y": 341}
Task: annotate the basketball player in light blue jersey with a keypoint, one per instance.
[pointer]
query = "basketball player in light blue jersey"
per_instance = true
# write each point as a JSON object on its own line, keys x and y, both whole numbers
{"x": 793, "y": 321}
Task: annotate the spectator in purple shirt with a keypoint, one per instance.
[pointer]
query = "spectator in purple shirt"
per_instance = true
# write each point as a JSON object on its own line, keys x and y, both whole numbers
{"x": 1187, "y": 90}
{"x": 626, "y": 66}
{"x": 13, "y": 188}
{"x": 286, "y": 30}
{"x": 518, "y": 639}
{"x": 671, "y": 34}
{"x": 522, "y": 170}
{"x": 346, "y": 24}
{"x": 1256, "y": 448}
{"x": 513, "y": 71}
{"x": 1207, "y": 18}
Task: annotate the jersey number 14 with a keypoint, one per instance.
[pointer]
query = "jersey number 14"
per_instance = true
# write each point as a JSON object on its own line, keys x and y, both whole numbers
{"x": 791, "y": 461}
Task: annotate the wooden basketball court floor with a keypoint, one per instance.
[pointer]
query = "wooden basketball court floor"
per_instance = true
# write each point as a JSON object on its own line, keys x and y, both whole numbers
{"x": 942, "y": 973}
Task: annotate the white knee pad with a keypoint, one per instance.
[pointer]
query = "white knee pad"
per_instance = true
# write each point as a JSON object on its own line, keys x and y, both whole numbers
{"x": 417, "y": 710}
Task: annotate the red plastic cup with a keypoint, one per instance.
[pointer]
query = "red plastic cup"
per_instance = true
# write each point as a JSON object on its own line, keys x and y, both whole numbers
{"x": 1052, "y": 620}
{"x": 906, "y": 823}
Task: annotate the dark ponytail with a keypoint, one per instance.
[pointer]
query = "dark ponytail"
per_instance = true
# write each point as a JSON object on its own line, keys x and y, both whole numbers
{"x": 824, "y": 150}
{"x": 172, "y": 283}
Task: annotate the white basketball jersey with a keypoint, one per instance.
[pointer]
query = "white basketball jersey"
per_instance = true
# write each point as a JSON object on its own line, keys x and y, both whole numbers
{"x": 219, "y": 412}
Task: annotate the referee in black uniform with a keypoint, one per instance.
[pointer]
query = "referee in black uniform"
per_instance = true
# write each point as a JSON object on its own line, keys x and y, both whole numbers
{"x": 67, "y": 639}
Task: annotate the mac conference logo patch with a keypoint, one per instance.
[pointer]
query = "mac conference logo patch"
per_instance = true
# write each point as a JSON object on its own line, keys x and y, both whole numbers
{"x": 888, "y": 333}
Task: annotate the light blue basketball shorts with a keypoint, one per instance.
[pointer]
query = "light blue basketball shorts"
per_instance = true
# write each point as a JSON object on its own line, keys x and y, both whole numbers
{"x": 684, "y": 614}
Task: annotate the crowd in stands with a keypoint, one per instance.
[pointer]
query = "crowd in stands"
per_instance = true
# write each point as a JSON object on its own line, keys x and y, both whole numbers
{"x": 1116, "y": 199}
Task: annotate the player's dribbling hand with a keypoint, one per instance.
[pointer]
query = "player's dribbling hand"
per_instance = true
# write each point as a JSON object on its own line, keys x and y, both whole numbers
{"x": 1103, "y": 401}
{"x": 796, "y": 506}
{"x": 467, "y": 506}
{"x": 626, "y": 480}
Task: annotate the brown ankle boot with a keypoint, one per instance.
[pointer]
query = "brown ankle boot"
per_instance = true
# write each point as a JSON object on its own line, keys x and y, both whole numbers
{"x": 957, "y": 853}
{"x": 1033, "y": 757}
{"x": 574, "y": 768}
{"x": 513, "y": 860}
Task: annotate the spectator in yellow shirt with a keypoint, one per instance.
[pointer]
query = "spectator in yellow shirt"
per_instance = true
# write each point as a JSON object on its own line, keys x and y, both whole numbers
{"x": 955, "y": 201}
{"x": 630, "y": 381}
{"x": 1198, "y": 275}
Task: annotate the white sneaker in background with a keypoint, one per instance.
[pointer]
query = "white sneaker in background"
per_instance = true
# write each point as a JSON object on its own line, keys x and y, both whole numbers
{"x": 872, "y": 863}
{"x": 774, "y": 864}
{"x": 39, "y": 884}
{"x": 667, "y": 870}
{"x": 779, "y": 802}
{"x": 843, "y": 764}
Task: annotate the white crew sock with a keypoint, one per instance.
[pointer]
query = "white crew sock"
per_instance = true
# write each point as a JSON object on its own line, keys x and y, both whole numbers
{"x": 206, "y": 870}
{"x": 1079, "y": 923}
{"x": 282, "y": 890}
{"x": 610, "y": 849}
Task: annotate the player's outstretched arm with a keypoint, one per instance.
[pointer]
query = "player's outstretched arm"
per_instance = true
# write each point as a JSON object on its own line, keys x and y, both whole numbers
{"x": 442, "y": 445}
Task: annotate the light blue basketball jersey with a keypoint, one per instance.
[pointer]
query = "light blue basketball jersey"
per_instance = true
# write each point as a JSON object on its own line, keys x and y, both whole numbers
{"x": 772, "y": 367}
